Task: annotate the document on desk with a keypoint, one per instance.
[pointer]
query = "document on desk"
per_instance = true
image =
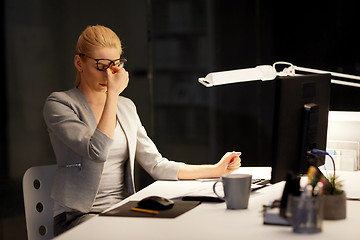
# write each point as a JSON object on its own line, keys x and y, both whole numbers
{"x": 202, "y": 191}
{"x": 205, "y": 188}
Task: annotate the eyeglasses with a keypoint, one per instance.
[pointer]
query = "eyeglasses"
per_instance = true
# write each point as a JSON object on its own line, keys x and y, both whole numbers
{"x": 103, "y": 64}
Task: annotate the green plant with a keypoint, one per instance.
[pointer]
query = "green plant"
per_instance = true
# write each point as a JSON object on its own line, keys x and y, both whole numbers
{"x": 333, "y": 185}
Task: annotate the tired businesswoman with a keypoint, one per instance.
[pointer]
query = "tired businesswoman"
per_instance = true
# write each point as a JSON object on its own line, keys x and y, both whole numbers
{"x": 97, "y": 135}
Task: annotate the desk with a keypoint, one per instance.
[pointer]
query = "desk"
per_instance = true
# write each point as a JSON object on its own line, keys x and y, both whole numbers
{"x": 211, "y": 220}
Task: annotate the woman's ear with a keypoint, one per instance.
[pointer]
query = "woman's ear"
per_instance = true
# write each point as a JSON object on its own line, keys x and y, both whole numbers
{"x": 78, "y": 63}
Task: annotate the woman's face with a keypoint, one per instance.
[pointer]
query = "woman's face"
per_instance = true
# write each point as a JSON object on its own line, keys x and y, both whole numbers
{"x": 91, "y": 77}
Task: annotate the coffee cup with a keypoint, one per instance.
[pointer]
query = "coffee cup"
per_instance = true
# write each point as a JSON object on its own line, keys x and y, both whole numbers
{"x": 237, "y": 188}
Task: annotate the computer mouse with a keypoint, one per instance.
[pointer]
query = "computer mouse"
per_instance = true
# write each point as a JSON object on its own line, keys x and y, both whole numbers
{"x": 155, "y": 203}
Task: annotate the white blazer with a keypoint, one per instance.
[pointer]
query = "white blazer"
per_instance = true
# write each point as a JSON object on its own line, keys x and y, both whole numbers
{"x": 81, "y": 149}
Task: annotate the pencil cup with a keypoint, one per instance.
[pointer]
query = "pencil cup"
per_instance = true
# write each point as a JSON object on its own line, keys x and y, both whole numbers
{"x": 236, "y": 190}
{"x": 307, "y": 214}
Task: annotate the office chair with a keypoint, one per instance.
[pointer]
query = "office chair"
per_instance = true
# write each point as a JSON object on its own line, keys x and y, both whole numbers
{"x": 37, "y": 183}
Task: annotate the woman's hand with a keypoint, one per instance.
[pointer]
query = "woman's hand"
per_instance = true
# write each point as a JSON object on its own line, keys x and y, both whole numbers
{"x": 228, "y": 163}
{"x": 117, "y": 79}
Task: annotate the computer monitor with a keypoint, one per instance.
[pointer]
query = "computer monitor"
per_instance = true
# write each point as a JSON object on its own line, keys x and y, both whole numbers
{"x": 273, "y": 123}
{"x": 300, "y": 123}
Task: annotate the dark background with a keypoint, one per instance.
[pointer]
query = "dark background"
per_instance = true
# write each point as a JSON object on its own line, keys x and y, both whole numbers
{"x": 168, "y": 44}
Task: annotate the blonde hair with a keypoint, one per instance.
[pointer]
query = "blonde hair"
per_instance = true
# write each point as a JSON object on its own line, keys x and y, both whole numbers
{"x": 94, "y": 37}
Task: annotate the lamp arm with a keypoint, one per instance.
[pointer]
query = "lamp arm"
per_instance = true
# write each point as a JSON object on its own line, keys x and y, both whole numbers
{"x": 351, "y": 84}
{"x": 292, "y": 68}
{"x": 342, "y": 75}
{"x": 267, "y": 72}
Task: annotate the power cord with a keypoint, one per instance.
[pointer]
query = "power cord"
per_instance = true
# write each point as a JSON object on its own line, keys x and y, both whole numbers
{"x": 322, "y": 152}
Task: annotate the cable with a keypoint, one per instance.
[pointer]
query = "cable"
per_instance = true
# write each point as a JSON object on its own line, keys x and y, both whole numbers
{"x": 322, "y": 152}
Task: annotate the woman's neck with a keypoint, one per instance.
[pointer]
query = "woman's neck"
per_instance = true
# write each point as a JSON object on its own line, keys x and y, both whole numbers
{"x": 93, "y": 97}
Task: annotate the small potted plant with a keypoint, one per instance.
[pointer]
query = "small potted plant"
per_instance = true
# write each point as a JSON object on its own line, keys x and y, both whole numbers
{"x": 334, "y": 195}
{"x": 334, "y": 199}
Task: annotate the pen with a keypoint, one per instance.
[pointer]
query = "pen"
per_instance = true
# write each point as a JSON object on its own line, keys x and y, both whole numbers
{"x": 311, "y": 174}
{"x": 145, "y": 210}
{"x": 301, "y": 209}
{"x": 318, "y": 189}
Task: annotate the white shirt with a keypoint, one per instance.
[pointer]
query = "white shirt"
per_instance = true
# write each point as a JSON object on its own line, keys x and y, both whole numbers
{"x": 112, "y": 180}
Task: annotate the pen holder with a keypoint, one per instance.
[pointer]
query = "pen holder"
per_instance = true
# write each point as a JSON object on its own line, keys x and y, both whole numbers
{"x": 306, "y": 214}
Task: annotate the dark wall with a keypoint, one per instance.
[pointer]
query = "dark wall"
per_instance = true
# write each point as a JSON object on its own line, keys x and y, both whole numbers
{"x": 322, "y": 36}
{"x": 314, "y": 35}
{"x": 3, "y": 99}
{"x": 244, "y": 34}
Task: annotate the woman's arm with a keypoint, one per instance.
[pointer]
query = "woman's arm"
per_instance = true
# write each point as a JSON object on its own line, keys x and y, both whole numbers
{"x": 118, "y": 79}
{"x": 71, "y": 125}
{"x": 227, "y": 164}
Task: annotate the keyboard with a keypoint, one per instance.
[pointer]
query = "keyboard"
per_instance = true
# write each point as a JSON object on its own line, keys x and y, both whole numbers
{"x": 260, "y": 181}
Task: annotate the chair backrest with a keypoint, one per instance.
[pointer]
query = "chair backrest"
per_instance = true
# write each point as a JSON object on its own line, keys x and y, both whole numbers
{"x": 37, "y": 182}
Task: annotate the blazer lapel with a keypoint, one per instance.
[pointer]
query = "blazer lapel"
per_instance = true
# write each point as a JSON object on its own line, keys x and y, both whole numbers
{"x": 130, "y": 134}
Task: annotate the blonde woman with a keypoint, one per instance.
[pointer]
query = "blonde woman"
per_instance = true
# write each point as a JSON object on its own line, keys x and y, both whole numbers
{"x": 96, "y": 135}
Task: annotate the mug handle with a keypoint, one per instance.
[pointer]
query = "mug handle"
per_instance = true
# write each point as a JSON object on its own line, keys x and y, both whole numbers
{"x": 214, "y": 187}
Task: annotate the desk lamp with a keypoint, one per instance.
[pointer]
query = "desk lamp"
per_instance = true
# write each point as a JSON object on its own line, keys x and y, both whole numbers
{"x": 308, "y": 127}
{"x": 266, "y": 73}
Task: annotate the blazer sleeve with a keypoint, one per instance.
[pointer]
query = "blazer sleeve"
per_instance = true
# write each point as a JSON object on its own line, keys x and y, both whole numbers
{"x": 147, "y": 154}
{"x": 72, "y": 124}
{"x": 159, "y": 167}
